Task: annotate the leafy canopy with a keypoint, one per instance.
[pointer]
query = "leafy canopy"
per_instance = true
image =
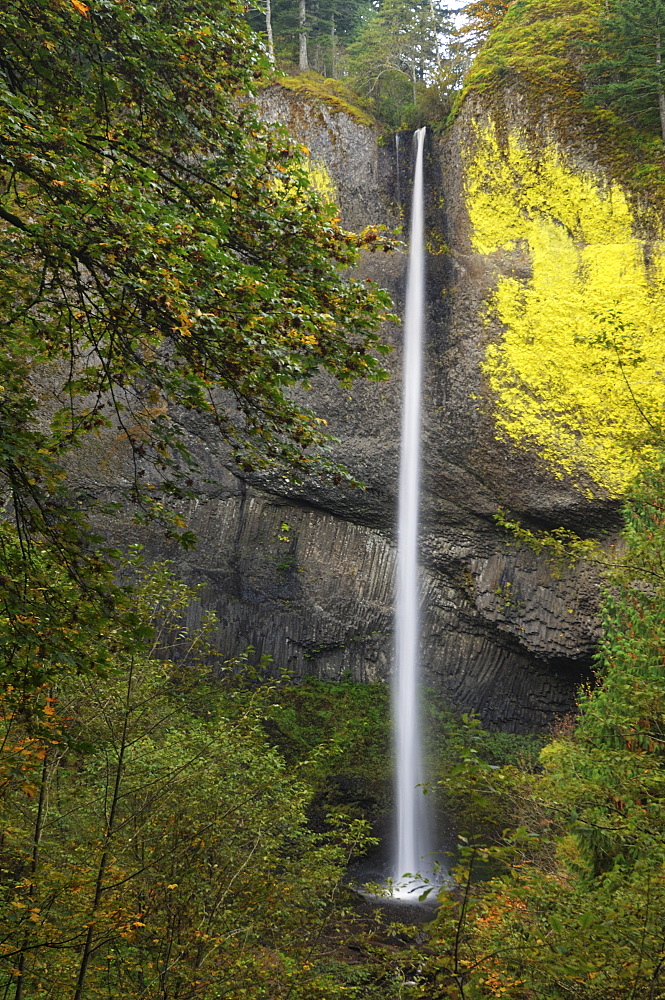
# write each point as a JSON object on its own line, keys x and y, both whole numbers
{"x": 153, "y": 842}
{"x": 481, "y": 17}
{"x": 576, "y": 905}
{"x": 163, "y": 254}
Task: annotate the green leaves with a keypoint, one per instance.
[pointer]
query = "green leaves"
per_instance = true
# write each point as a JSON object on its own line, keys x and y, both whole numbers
{"x": 163, "y": 255}
{"x": 577, "y": 905}
{"x": 196, "y": 883}
{"x": 400, "y": 63}
{"x": 173, "y": 849}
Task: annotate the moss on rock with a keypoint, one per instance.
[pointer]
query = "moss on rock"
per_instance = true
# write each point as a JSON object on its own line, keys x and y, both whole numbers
{"x": 575, "y": 369}
{"x": 541, "y": 49}
{"x": 331, "y": 92}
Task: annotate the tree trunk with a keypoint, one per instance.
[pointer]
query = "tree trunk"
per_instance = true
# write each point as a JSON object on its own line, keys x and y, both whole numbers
{"x": 106, "y": 842}
{"x": 333, "y": 71}
{"x": 435, "y": 23}
{"x": 303, "y": 65}
{"x": 39, "y": 823}
{"x": 271, "y": 43}
{"x": 661, "y": 89}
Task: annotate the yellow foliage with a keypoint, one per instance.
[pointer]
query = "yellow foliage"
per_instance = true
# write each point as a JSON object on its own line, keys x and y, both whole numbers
{"x": 568, "y": 851}
{"x": 322, "y": 182}
{"x": 579, "y": 372}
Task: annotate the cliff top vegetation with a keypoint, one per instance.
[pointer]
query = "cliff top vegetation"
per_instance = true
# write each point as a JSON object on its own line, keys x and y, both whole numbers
{"x": 336, "y": 94}
{"x": 557, "y": 53}
{"x": 397, "y": 60}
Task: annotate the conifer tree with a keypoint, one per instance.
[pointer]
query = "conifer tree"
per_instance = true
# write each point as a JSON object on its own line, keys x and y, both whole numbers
{"x": 402, "y": 39}
{"x": 481, "y": 17}
{"x": 630, "y": 76}
{"x": 303, "y": 63}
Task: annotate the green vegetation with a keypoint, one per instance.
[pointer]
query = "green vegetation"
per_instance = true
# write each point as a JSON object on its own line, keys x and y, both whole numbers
{"x": 549, "y": 50}
{"x": 154, "y": 843}
{"x": 163, "y": 252}
{"x": 400, "y": 61}
{"x": 577, "y": 909}
{"x": 399, "y": 64}
{"x": 600, "y": 65}
{"x": 327, "y": 26}
{"x": 172, "y": 830}
{"x": 336, "y": 94}
{"x": 168, "y": 829}
{"x": 560, "y": 889}
{"x": 480, "y": 19}
{"x": 630, "y": 76}
{"x": 340, "y": 734}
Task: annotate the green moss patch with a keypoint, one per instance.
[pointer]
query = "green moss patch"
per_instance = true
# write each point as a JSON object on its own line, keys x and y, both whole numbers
{"x": 541, "y": 49}
{"x": 332, "y": 93}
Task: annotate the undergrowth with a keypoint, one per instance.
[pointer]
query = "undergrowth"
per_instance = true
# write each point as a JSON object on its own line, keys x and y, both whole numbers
{"x": 339, "y": 733}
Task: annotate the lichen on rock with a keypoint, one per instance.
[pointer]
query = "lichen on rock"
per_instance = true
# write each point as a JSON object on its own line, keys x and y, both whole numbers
{"x": 321, "y": 181}
{"x": 578, "y": 370}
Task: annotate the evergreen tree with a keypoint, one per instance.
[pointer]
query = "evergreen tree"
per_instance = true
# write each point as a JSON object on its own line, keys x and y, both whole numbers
{"x": 630, "y": 75}
{"x": 403, "y": 40}
{"x": 303, "y": 64}
{"x": 327, "y": 29}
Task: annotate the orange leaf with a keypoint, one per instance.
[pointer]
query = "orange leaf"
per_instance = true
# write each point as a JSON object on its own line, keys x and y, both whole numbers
{"x": 82, "y": 8}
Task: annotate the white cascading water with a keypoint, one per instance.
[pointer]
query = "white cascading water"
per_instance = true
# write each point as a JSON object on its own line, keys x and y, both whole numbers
{"x": 412, "y": 853}
{"x": 399, "y": 193}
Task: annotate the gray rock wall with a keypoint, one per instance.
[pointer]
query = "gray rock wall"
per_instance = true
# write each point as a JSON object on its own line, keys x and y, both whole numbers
{"x": 306, "y": 575}
{"x": 357, "y": 163}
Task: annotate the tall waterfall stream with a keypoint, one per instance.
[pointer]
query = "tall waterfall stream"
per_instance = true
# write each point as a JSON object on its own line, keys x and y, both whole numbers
{"x": 413, "y": 850}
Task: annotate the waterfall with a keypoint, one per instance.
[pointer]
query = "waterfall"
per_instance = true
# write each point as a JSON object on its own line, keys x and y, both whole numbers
{"x": 412, "y": 836}
{"x": 399, "y": 193}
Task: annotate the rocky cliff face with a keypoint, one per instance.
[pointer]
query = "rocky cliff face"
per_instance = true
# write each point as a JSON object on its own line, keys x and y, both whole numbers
{"x": 306, "y": 574}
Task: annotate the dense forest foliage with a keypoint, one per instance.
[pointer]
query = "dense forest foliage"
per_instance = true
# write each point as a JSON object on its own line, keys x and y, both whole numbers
{"x": 406, "y": 60}
{"x": 176, "y": 830}
{"x": 163, "y": 252}
{"x": 162, "y": 248}
{"x": 402, "y": 60}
